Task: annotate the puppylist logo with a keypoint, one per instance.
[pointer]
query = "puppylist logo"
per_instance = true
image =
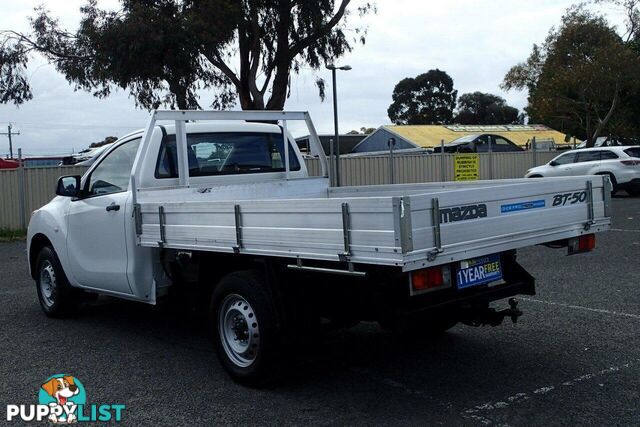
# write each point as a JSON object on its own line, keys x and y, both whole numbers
{"x": 62, "y": 400}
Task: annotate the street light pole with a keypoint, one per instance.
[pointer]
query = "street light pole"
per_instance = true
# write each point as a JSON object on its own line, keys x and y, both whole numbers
{"x": 333, "y": 69}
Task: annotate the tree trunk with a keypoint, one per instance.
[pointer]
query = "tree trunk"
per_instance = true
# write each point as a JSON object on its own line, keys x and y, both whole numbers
{"x": 588, "y": 127}
{"x": 283, "y": 60}
{"x": 180, "y": 92}
{"x": 602, "y": 123}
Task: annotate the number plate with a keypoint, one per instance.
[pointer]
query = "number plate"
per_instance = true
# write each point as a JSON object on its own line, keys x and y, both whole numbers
{"x": 478, "y": 271}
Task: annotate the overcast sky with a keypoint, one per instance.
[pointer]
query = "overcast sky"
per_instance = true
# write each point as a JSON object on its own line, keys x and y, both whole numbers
{"x": 475, "y": 41}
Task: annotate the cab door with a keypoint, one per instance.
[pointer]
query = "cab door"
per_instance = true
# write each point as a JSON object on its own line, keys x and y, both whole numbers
{"x": 96, "y": 241}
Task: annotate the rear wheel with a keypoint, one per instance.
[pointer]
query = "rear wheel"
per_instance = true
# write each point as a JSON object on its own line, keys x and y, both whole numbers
{"x": 57, "y": 297}
{"x": 634, "y": 192}
{"x": 245, "y": 328}
{"x": 535, "y": 176}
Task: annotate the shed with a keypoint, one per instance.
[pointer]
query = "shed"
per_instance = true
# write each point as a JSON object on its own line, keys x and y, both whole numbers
{"x": 429, "y": 136}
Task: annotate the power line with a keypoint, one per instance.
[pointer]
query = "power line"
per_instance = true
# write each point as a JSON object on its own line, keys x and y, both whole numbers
{"x": 44, "y": 125}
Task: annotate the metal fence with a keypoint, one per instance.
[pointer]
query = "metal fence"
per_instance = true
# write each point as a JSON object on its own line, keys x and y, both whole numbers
{"x": 25, "y": 190}
{"x": 373, "y": 170}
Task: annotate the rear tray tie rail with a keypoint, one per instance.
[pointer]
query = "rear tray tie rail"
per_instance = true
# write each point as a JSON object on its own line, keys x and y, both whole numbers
{"x": 162, "y": 219}
{"x": 437, "y": 236}
{"x": 346, "y": 236}
{"x": 238, "y": 224}
{"x": 591, "y": 214}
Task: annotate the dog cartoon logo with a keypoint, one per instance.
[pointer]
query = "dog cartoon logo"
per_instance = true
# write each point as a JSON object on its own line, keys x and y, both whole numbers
{"x": 63, "y": 400}
{"x": 62, "y": 393}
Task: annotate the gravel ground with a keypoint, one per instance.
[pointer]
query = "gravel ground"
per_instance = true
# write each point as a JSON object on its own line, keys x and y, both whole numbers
{"x": 573, "y": 358}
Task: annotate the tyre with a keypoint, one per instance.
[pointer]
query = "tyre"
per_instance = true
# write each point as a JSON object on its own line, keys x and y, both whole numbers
{"x": 57, "y": 297}
{"x": 634, "y": 192}
{"x": 535, "y": 176}
{"x": 245, "y": 328}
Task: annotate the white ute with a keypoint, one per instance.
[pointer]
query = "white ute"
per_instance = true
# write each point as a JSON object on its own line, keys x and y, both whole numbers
{"x": 223, "y": 210}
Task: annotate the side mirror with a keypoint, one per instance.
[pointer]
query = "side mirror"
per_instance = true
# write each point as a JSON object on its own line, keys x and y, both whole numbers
{"x": 553, "y": 163}
{"x": 68, "y": 186}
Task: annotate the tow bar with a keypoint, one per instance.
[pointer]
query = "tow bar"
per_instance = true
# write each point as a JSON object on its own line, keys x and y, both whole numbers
{"x": 491, "y": 316}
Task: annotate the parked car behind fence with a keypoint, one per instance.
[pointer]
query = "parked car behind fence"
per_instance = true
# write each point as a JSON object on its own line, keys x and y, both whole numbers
{"x": 479, "y": 143}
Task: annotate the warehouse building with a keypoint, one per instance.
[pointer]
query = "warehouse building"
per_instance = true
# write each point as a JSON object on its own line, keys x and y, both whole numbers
{"x": 429, "y": 136}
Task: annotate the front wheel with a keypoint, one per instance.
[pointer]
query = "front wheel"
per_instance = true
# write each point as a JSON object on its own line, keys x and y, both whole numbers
{"x": 57, "y": 297}
{"x": 245, "y": 328}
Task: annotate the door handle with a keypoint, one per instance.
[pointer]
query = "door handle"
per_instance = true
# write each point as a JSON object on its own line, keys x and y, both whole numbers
{"x": 113, "y": 207}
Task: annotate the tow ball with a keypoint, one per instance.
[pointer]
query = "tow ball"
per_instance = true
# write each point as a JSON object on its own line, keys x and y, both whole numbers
{"x": 491, "y": 316}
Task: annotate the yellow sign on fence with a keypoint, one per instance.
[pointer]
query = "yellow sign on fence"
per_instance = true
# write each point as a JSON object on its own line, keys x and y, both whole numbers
{"x": 466, "y": 167}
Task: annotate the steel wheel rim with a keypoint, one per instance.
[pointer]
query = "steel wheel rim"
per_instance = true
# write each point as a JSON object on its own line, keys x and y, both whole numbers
{"x": 48, "y": 284}
{"x": 239, "y": 330}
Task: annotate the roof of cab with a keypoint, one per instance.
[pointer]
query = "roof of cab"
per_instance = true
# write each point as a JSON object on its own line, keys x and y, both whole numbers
{"x": 221, "y": 126}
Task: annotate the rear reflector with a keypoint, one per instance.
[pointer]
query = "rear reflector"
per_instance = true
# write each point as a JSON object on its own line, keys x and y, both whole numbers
{"x": 427, "y": 279}
{"x": 587, "y": 242}
{"x": 583, "y": 243}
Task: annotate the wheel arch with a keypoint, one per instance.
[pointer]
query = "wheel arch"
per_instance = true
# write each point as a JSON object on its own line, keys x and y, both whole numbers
{"x": 215, "y": 266}
{"x": 608, "y": 173}
{"x": 604, "y": 172}
{"x": 38, "y": 241}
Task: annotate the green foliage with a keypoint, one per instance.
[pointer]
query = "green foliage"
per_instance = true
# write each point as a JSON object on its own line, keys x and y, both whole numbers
{"x": 580, "y": 79}
{"x": 479, "y": 108}
{"x": 14, "y": 84}
{"x": 106, "y": 141}
{"x": 9, "y": 235}
{"x": 165, "y": 51}
{"x": 363, "y": 131}
{"x": 426, "y": 99}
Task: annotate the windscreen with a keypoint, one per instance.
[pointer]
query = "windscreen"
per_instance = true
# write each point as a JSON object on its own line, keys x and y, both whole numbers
{"x": 466, "y": 138}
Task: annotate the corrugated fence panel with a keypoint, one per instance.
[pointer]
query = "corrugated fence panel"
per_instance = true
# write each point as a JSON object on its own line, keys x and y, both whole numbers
{"x": 39, "y": 189}
{"x": 374, "y": 169}
{"x": 9, "y": 199}
{"x": 40, "y": 184}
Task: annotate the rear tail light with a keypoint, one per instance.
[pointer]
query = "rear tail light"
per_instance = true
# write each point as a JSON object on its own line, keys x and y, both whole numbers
{"x": 427, "y": 279}
{"x": 581, "y": 244}
{"x": 630, "y": 162}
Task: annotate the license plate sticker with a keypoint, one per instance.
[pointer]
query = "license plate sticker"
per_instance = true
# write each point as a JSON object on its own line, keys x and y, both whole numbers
{"x": 478, "y": 271}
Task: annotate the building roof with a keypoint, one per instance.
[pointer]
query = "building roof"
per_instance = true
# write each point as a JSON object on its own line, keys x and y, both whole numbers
{"x": 429, "y": 136}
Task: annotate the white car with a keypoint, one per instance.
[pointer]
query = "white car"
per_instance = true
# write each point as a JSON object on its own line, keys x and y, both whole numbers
{"x": 621, "y": 164}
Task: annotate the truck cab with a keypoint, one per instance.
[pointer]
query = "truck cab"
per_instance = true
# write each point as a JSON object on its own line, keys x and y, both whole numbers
{"x": 93, "y": 234}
